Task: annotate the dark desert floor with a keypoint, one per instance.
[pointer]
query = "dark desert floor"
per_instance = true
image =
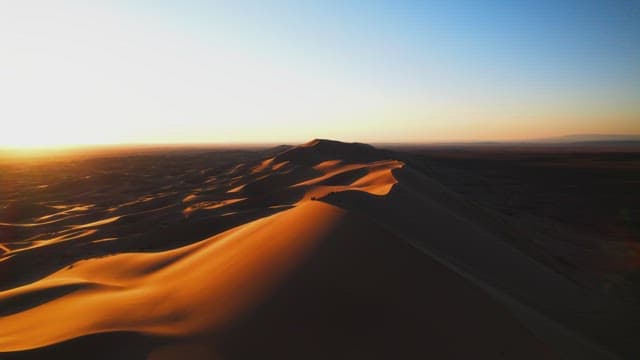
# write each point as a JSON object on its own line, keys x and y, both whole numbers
{"x": 323, "y": 250}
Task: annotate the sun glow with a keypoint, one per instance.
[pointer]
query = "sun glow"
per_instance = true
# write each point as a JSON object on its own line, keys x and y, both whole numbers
{"x": 116, "y": 81}
{"x": 30, "y": 135}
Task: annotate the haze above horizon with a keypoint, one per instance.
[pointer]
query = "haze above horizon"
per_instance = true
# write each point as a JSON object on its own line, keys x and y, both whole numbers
{"x": 121, "y": 72}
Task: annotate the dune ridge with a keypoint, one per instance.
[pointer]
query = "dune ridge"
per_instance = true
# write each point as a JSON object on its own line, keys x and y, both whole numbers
{"x": 318, "y": 277}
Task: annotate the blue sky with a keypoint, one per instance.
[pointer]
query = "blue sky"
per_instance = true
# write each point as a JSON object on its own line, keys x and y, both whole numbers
{"x": 597, "y": 41}
{"x": 359, "y": 70}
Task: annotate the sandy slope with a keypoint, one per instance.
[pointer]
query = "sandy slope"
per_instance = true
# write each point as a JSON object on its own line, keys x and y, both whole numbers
{"x": 184, "y": 291}
{"x": 315, "y": 281}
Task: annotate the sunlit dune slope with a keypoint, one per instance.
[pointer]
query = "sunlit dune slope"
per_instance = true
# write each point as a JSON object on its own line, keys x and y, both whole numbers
{"x": 179, "y": 292}
{"x": 306, "y": 280}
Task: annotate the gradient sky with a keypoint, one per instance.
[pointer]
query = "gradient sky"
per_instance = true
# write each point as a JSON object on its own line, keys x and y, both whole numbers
{"x": 93, "y": 72}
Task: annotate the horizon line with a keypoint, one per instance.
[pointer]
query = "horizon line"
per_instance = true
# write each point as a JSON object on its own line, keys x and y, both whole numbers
{"x": 551, "y": 140}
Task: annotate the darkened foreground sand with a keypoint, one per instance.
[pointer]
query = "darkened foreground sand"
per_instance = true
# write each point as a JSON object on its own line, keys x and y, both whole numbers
{"x": 325, "y": 250}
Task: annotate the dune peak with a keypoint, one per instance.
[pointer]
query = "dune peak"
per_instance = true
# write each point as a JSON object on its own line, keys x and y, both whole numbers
{"x": 319, "y": 150}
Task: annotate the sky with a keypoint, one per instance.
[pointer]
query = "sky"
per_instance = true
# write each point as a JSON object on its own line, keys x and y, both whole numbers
{"x": 122, "y": 72}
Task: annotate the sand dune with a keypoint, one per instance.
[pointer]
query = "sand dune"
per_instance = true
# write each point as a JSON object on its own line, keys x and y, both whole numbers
{"x": 222, "y": 284}
{"x": 324, "y": 251}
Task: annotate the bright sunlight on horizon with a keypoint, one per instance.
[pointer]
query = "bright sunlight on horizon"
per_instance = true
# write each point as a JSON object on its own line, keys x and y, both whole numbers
{"x": 141, "y": 72}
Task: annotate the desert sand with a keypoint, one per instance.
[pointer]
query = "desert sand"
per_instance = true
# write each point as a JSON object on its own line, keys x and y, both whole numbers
{"x": 324, "y": 250}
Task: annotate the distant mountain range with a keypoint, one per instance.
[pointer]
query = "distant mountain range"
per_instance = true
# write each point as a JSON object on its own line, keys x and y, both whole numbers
{"x": 587, "y": 138}
{"x": 575, "y": 139}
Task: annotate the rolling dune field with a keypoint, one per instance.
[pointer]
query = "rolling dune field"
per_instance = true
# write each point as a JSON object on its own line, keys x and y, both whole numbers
{"x": 322, "y": 250}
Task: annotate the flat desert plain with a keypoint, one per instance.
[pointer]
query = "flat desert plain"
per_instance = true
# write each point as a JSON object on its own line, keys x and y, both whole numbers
{"x": 325, "y": 250}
